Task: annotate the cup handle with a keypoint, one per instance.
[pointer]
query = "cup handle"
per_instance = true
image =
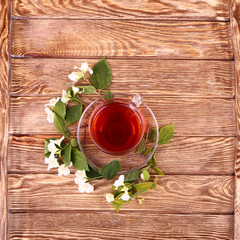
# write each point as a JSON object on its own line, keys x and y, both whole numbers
{"x": 136, "y": 101}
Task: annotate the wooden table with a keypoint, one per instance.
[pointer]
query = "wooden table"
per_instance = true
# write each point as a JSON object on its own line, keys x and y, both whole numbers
{"x": 180, "y": 54}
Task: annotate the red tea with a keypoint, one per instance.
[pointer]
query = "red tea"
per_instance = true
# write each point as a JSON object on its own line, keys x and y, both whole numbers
{"x": 115, "y": 127}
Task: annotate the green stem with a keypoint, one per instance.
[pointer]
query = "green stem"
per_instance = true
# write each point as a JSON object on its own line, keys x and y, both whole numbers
{"x": 69, "y": 85}
{"x": 80, "y": 101}
{"x": 100, "y": 177}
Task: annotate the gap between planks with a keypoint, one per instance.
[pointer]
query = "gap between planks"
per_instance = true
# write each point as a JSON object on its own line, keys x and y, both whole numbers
{"x": 123, "y": 58}
{"x": 169, "y": 174}
{"x": 227, "y": 20}
{"x": 122, "y": 211}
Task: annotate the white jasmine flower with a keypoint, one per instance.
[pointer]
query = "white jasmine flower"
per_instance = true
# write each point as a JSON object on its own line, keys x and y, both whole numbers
{"x": 52, "y": 162}
{"x": 52, "y": 102}
{"x": 85, "y": 187}
{"x": 50, "y": 115}
{"x": 109, "y": 197}
{"x": 142, "y": 176}
{"x": 124, "y": 189}
{"x": 88, "y": 188}
{"x": 125, "y": 196}
{"x": 52, "y": 145}
{"x": 65, "y": 97}
{"x": 84, "y": 67}
{"x": 75, "y": 90}
{"x": 80, "y": 181}
{"x": 81, "y": 177}
{"x": 81, "y": 174}
{"x": 58, "y": 141}
{"x": 75, "y": 76}
{"x": 119, "y": 182}
{"x": 62, "y": 170}
{"x": 90, "y": 71}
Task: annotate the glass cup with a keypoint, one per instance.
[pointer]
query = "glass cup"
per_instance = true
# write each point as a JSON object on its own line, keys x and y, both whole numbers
{"x": 112, "y": 126}
{"x": 116, "y": 125}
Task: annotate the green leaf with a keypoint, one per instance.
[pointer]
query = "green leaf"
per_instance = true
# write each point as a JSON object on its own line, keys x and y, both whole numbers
{"x": 152, "y": 135}
{"x": 60, "y": 126}
{"x": 166, "y": 134}
{"x": 152, "y": 161}
{"x": 67, "y": 154}
{"x": 110, "y": 170}
{"x": 60, "y": 109}
{"x": 73, "y": 114}
{"x": 87, "y": 90}
{"x": 157, "y": 170}
{"x": 140, "y": 187}
{"x": 154, "y": 186}
{"x": 108, "y": 95}
{"x": 146, "y": 175}
{"x": 92, "y": 173}
{"x": 146, "y": 168}
{"x": 46, "y": 151}
{"x": 117, "y": 206}
{"x": 132, "y": 176}
{"x": 148, "y": 150}
{"x": 74, "y": 142}
{"x": 62, "y": 145}
{"x": 102, "y": 74}
{"x": 79, "y": 160}
{"x": 141, "y": 146}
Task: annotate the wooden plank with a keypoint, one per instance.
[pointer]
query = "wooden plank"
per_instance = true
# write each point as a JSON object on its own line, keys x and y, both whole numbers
{"x": 185, "y": 155}
{"x": 235, "y": 26}
{"x": 4, "y": 106}
{"x": 192, "y": 116}
{"x": 103, "y": 226}
{"x": 173, "y": 9}
{"x": 128, "y": 38}
{"x": 164, "y": 77}
{"x": 175, "y": 194}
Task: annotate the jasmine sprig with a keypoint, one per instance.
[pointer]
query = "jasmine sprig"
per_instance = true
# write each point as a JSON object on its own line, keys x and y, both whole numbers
{"x": 64, "y": 153}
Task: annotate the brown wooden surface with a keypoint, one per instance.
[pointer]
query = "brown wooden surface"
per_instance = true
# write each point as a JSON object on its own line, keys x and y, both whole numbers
{"x": 184, "y": 155}
{"x": 235, "y": 24}
{"x": 126, "y": 38}
{"x": 184, "y": 69}
{"x": 201, "y": 194}
{"x": 120, "y": 226}
{"x": 173, "y": 9}
{"x": 163, "y": 77}
{"x": 4, "y": 105}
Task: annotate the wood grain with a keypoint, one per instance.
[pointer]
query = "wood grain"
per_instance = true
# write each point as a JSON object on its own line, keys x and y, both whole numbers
{"x": 115, "y": 38}
{"x": 4, "y": 106}
{"x": 235, "y": 26}
{"x": 131, "y": 226}
{"x": 165, "y": 77}
{"x": 184, "y": 155}
{"x": 175, "y": 194}
{"x": 172, "y": 9}
{"x": 192, "y": 116}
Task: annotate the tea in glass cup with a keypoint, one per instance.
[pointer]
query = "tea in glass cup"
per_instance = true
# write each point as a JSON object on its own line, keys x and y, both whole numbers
{"x": 116, "y": 126}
